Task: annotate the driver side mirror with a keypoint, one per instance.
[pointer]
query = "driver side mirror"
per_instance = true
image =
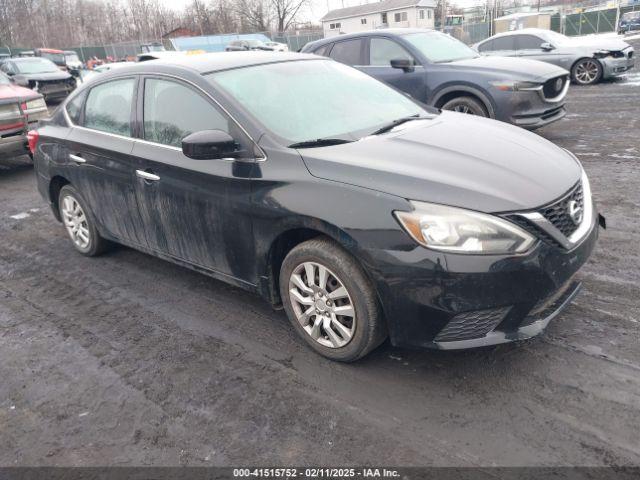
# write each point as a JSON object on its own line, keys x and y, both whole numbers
{"x": 547, "y": 47}
{"x": 210, "y": 145}
{"x": 404, "y": 64}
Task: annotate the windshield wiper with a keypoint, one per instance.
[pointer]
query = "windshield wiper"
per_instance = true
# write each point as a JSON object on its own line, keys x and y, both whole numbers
{"x": 399, "y": 121}
{"x": 320, "y": 142}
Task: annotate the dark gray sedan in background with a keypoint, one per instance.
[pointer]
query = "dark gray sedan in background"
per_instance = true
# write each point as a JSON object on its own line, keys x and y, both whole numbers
{"x": 40, "y": 75}
{"x": 443, "y": 72}
{"x": 588, "y": 59}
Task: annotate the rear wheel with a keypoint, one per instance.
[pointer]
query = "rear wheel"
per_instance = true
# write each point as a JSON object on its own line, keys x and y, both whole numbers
{"x": 586, "y": 71}
{"x": 330, "y": 302}
{"x": 466, "y": 104}
{"x": 79, "y": 222}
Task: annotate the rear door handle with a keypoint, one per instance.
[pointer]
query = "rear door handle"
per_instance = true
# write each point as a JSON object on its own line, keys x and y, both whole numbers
{"x": 152, "y": 177}
{"x": 77, "y": 158}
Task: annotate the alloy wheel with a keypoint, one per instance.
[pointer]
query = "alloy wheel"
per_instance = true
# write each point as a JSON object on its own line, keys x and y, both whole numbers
{"x": 587, "y": 72}
{"x": 463, "y": 109}
{"x": 75, "y": 222}
{"x": 322, "y": 305}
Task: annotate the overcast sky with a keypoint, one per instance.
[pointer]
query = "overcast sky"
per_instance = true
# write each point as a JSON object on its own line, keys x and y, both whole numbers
{"x": 318, "y": 8}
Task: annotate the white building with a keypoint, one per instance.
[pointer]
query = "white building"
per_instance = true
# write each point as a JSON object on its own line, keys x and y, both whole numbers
{"x": 383, "y": 14}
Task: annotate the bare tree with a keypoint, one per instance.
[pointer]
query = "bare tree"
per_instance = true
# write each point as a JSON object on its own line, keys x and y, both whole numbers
{"x": 254, "y": 14}
{"x": 286, "y": 12}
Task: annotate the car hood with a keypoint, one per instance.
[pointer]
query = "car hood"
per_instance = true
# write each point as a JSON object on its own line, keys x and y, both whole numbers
{"x": 611, "y": 44}
{"x": 59, "y": 75}
{"x": 453, "y": 159}
{"x": 15, "y": 91}
{"x": 512, "y": 66}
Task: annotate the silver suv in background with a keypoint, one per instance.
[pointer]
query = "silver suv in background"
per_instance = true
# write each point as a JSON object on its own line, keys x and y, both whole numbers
{"x": 588, "y": 59}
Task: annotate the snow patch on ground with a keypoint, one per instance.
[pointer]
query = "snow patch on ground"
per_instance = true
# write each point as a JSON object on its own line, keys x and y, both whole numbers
{"x": 632, "y": 80}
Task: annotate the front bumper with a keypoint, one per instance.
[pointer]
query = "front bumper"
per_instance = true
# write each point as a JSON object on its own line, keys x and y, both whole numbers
{"x": 528, "y": 109}
{"x": 448, "y": 301}
{"x": 612, "y": 67}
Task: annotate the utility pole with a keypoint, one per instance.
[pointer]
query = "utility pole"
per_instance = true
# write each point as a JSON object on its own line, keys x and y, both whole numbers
{"x": 444, "y": 14}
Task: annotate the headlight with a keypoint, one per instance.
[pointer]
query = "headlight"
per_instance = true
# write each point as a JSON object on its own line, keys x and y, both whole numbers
{"x": 512, "y": 86}
{"x": 456, "y": 230}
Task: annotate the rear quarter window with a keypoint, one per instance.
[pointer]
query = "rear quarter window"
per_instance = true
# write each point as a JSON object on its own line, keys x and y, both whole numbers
{"x": 486, "y": 46}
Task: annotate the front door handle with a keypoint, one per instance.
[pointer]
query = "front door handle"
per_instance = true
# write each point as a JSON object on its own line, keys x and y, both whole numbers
{"x": 152, "y": 177}
{"x": 77, "y": 158}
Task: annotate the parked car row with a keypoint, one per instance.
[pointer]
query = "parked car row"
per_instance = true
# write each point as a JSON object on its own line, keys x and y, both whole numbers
{"x": 20, "y": 109}
{"x": 442, "y": 72}
{"x": 360, "y": 210}
{"x": 251, "y": 44}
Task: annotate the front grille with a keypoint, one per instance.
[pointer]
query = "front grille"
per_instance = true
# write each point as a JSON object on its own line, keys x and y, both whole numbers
{"x": 558, "y": 212}
{"x": 470, "y": 325}
{"x": 553, "y": 87}
{"x": 533, "y": 229}
{"x": 46, "y": 87}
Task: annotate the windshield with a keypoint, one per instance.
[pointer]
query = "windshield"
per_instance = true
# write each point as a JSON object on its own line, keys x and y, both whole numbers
{"x": 631, "y": 16}
{"x": 37, "y": 65}
{"x": 72, "y": 57}
{"x": 440, "y": 48}
{"x": 308, "y": 100}
{"x": 54, "y": 57}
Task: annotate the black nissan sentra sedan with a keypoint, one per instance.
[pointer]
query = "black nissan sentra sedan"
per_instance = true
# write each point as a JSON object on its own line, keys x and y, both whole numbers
{"x": 361, "y": 212}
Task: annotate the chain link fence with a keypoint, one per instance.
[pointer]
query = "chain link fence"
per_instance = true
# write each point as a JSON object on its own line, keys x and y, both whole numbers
{"x": 574, "y": 24}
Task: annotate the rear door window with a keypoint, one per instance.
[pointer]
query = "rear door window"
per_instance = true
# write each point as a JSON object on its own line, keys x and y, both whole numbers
{"x": 74, "y": 107}
{"x": 504, "y": 43}
{"x": 108, "y": 107}
{"x": 348, "y": 52}
{"x": 528, "y": 42}
{"x": 324, "y": 50}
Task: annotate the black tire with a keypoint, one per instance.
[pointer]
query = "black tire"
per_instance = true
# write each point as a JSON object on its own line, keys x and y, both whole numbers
{"x": 96, "y": 244}
{"x": 369, "y": 329}
{"x": 586, "y": 64}
{"x": 466, "y": 104}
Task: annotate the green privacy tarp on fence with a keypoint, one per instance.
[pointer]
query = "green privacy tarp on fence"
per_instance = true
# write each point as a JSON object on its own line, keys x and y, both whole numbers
{"x": 588, "y": 23}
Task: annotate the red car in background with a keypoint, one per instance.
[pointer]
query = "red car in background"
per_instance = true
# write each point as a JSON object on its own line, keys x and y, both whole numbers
{"x": 19, "y": 108}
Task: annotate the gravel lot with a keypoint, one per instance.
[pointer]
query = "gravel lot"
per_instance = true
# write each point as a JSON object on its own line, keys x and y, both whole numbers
{"x": 129, "y": 360}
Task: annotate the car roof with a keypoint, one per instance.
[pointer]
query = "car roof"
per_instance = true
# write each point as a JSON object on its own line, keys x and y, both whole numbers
{"x": 213, "y": 62}
{"x": 398, "y": 32}
{"x": 522, "y": 31}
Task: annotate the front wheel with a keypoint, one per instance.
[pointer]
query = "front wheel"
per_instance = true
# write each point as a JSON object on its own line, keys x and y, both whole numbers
{"x": 330, "y": 301}
{"x": 586, "y": 71}
{"x": 465, "y": 104}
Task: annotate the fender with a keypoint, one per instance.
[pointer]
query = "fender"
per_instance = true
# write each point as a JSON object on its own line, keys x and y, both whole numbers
{"x": 464, "y": 88}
